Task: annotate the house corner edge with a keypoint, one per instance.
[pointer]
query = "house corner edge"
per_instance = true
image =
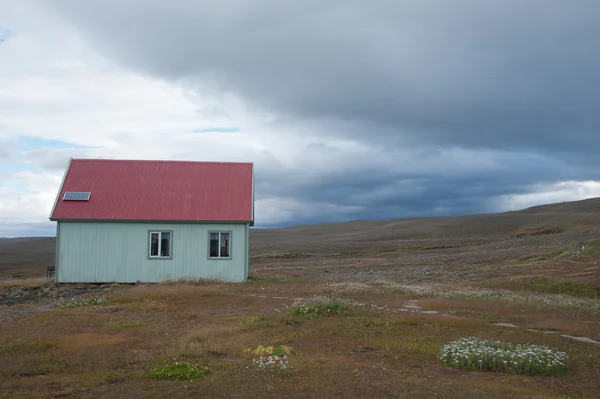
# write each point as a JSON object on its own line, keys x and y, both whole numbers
{"x": 62, "y": 183}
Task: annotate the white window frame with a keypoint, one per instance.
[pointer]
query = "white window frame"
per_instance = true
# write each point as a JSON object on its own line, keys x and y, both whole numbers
{"x": 220, "y": 232}
{"x": 160, "y": 233}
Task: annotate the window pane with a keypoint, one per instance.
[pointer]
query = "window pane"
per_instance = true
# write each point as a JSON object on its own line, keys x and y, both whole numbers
{"x": 225, "y": 245}
{"x": 165, "y": 244}
{"x": 214, "y": 245}
{"x": 153, "y": 244}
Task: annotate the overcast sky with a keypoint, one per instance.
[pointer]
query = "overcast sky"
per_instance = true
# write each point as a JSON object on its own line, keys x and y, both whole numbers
{"x": 349, "y": 109}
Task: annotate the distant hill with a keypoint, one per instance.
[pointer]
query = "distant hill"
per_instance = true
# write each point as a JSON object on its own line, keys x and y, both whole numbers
{"x": 23, "y": 256}
{"x": 538, "y": 220}
{"x": 31, "y": 255}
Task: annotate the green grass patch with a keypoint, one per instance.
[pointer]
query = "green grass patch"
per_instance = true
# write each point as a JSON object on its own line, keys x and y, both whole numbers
{"x": 487, "y": 355}
{"x": 124, "y": 324}
{"x": 178, "y": 371}
{"x": 322, "y": 307}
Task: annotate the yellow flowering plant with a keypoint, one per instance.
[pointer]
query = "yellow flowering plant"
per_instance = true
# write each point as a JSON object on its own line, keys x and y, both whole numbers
{"x": 270, "y": 350}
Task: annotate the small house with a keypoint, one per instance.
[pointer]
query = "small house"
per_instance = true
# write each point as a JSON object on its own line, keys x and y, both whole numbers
{"x": 132, "y": 221}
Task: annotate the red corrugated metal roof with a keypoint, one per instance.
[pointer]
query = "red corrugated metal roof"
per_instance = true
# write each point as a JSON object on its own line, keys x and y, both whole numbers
{"x": 157, "y": 190}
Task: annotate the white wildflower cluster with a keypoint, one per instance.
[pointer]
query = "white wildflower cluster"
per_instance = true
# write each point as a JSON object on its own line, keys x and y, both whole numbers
{"x": 475, "y": 354}
{"x": 80, "y": 301}
{"x": 300, "y": 308}
{"x": 320, "y": 306}
{"x": 419, "y": 290}
{"x": 466, "y": 293}
{"x": 271, "y": 363}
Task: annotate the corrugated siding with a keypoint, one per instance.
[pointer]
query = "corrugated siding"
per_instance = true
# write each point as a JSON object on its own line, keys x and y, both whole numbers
{"x": 118, "y": 252}
{"x": 157, "y": 191}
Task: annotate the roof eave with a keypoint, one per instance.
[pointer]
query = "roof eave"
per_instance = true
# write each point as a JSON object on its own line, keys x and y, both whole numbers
{"x": 251, "y": 222}
{"x": 60, "y": 190}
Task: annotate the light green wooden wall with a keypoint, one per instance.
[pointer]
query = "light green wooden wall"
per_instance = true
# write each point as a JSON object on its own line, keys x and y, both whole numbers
{"x": 118, "y": 252}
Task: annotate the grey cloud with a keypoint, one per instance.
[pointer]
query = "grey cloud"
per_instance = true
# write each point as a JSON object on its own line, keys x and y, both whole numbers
{"x": 517, "y": 77}
{"x": 387, "y": 189}
{"x": 478, "y": 73}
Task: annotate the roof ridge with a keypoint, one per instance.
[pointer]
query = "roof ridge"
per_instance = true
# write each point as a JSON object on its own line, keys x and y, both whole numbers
{"x": 159, "y": 160}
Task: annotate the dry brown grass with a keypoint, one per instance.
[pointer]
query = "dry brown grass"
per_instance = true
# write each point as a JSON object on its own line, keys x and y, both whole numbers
{"x": 25, "y": 283}
{"x": 379, "y": 351}
{"x": 536, "y": 231}
{"x": 374, "y": 353}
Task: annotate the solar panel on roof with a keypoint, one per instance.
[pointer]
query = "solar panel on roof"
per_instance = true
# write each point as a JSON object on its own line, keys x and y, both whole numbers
{"x": 77, "y": 196}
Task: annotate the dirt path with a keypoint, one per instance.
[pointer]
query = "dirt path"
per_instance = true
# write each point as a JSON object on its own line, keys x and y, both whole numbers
{"x": 412, "y": 306}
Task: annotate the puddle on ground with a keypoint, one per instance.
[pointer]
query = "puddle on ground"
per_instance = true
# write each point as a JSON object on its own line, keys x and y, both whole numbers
{"x": 505, "y": 325}
{"x": 412, "y": 304}
{"x": 582, "y": 339}
{"x": 541, "y": 331}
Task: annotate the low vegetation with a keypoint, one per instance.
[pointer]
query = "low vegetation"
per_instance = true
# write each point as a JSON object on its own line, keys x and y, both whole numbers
{"x": 179, "y": 371}
{"x": 80, "y": 301}
{"x": 256, "y": 340}
{"x": 23, "y": 283}
{"x": 581, "y": 289}
{"x": 270, "y": 358}
{"x": 354, "y": 310}
{"x": 321, "y": 307}
{"x": 270, "y": 350}
{"x": 25, "y": 346}
{"x": 591, "y": 302}
{"x": 271, "y": 363}
{"x": 537, "y": 231}
{"x": 193, "y": 281}
{"x": 488, "y": 355}
{"x": 590, "y": 249}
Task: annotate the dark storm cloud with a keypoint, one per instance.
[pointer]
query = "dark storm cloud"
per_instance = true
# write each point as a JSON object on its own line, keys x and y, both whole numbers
{"x": 480, "y": 73}
{"x": 385, "y": 189}
{"x": 522, "y": 77}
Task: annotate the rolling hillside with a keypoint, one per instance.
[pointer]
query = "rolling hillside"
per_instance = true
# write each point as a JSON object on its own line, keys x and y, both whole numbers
{"x": 543, "y": 233}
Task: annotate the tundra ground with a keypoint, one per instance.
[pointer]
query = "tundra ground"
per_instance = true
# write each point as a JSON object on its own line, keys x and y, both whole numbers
{"x": 409, "y": 287}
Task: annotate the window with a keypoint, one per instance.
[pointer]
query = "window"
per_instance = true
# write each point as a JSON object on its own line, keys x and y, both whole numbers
{"x": 77, "y": 196}
{"x": 219, "y": 245}
{"x": 160, "y": 244}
